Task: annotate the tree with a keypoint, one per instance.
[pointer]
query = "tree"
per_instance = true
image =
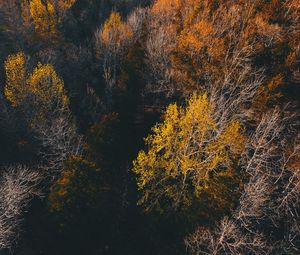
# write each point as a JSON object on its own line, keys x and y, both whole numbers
{"x": 162, "y": 27}
{"x": 45, "y": 88}
{"x": 78, "y": 186}
{"x": 58, "y": 137}
{"x": 185, "y": 153}
{"x": 65, "y": 4}
{"x": 105, "y": 141}
{"x": 213, "y": 42}
{"x": 266, "y": 220}
{"x": 159, "y": 47}
{"x": 112, "y": 41}
{"x": 81, "y": 201}
{"x": 44, "y": 18}
{"x": 115, "y": 31}
{"x": 225, "y": 238}
{"x": 35, "y": 92}
{"x": 15, "y": 88}
{"x": 42, "y": 98}
{"x": 19, "y": 184}
{"x": 136, "y": 20}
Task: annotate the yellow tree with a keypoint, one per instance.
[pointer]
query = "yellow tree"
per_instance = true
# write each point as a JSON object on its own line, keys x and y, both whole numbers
{"x": 45, "y": 85}
{"x": 40, "y": 89}
{"x": 114, "y": 30}
{"x": 15, "y": 78}
{"x": 186, "y": 154}
{"x": 65, "y": 4}
{"x": 44, "y": 17}
{"x": 112, "y": 42}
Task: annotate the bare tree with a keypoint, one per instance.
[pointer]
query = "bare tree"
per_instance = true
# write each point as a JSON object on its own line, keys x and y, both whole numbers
{"x": 18, "y": 185}
{"x": 270, "y": 200}
{"x": 159, "y": 47}
{"x": 16, "y": 16}
{"x": 261, "y": 162}
{"x": 226, "y": 238}
{"x": 136, "y": 20}
{"x": 59, "y": 138}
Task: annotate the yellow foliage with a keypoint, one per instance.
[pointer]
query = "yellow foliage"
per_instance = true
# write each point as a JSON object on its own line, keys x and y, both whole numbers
{"x": 184, "y": 151}
{"x": 15, "y": 87}
{"x": 65, "y": 4}
{"x": 115, "y": 31}
{"x": 45, "y": 84}
{"x": 44, "y": 17}
{"x": 41, "y": 87}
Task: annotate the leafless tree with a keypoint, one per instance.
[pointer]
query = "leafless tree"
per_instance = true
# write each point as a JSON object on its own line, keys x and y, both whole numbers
{"x": 92, "y": 104}
{"x": 159, "y": 46}
{"x": 18, "y": 185}
{"x": 262, "y": 162}
{"x": 226, "y": 238}
{"x": 59, "y": 138}
{"x": 136, "y": 20}
{"x": 16, "y": 16}
{"x": 233, "y": 95}
{"x": 270, "y": 199}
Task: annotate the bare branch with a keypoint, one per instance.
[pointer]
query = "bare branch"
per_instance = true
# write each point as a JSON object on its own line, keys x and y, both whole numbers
{"x": 59, "y": 138}
{"x": 18, "y": 185}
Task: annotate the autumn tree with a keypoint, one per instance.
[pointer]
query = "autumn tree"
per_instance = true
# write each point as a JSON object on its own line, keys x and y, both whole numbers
{"x": 40, "y": 88}
{"x": 44, "y": 18}
{"x": 78, "y": 184}
{"x": 159, "y": 46}
{"x": 65, "y": 4}
{"x": 78, "y": 203}
{"x": 269, "y": 203}
{"x": 46, "y": 87}
{"x": 211, "y": 47}
{"x": 15, "y": 89}
{"x": 185, "y": 154}
{"x": 111, "y": 43}
{"x": 82, "y": 201}
{"x": 163, "y": 21}
{"x": 40, "y": 95}
{"x": 192, "y": 44}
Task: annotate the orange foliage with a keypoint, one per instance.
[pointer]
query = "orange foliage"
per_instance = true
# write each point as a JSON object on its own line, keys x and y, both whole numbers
{"x": 114, "y": 30}
{"x": 44, "y": 18}
{"x": 166, "y": 6}
{"x": 75, "y": 182}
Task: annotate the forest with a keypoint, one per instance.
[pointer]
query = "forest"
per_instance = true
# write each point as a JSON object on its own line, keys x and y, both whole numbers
{"x": 149, "y": 127}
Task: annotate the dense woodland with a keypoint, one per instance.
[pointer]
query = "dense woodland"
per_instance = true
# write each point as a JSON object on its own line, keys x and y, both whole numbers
{"x": 163, "y": 127}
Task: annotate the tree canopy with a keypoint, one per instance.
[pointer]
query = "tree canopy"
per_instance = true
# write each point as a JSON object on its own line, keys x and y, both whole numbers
{"x": 185, "y": 152}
